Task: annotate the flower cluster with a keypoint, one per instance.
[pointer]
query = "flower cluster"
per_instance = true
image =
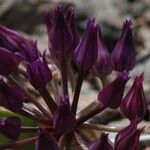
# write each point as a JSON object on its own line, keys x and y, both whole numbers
{"x": 59, "y": 122}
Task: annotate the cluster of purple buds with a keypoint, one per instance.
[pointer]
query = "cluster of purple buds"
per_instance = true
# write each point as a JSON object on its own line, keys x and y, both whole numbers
{"x": 59, "y": 122}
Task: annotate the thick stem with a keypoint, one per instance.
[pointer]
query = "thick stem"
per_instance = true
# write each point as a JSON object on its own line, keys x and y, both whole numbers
{"x": 77, "y": 93}
{"x": 48, "y": 99}
{"x": 42, "y": 109}
{"x": 90, "y": 111}
{"x": 19, "y": 143}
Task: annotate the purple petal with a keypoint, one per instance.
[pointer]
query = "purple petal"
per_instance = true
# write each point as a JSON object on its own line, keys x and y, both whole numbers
{"x": 11, "y": 127}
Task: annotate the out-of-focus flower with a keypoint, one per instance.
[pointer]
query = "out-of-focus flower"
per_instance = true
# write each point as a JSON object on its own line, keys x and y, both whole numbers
{"x": 134, "y": 103}
{"x": 112, "y": 94}
{"x": 29, "y": 51}
{"x": 10, "y": 127}
{"x": 46, "y": 141}
{"x": 63, "y": 119}
{"x": 11, "y": 97}
{"x": 123, "y": 55}
{"x": 71, "y": 21}
{"x": 10, "y": 39}
{"x": 8, "y": 62}
{"x": 59, "y": 33}
{"x": 128, "y": 138}
{"x": 102, "y": 144}
{"x": 39, "y": 73}
{"x": 85, "y": 54}
{"x": 103, "y": 64}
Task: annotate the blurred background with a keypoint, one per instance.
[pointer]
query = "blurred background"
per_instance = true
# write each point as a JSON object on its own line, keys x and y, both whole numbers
{"x": 25, "y": 17}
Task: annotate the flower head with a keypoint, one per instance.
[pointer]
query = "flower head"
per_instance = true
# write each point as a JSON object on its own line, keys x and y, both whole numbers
{"x": 128, "y": 138}
{"x": 134, "y": 103}
{"x": 8, "y": 62}
{"x": 39, "y": 73}
{"x": 112, "y": 94}
{"x": 85, "y": 54}
{"x": 103, "y": 64}
{"x": 71, "y": 21}
{"x": 29, "y": 51}
{"x": 59, "y": 33}
{"x": 11, "y": 97}
{"x": 123, "y": 55}
{"x": 11, "y": 40}
{"x": 10, "y": 127}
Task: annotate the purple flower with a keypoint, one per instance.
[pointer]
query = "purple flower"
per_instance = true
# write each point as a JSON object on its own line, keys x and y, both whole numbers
{"x": 8, "y": 62}
{"x": 71, "y": 21}
{"x": 85, "y": 54}
{"x": 123, "y": 55}
{"x": 11, "y": 97}
{"x": 102, "y": 144}
{"x": 59, "y": 33}
{"x": 63, "y": 119}
{"x": 29, "y": 51}
{"x": 46, "y": 141}
{"x": 128, "y": 138}
{"x": 11, "y": 127}
{"x": 134, "y": 103}
{"x": 39, "y": 73}
{"x": 10, "y": 39}
{"x": 103, "y": 64}
{"x": 112, "y": 94}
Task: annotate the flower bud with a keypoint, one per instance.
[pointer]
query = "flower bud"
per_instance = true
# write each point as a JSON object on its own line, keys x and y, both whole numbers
{"x": 123, "y": 55}
{"x": 29, "y": 51}
{"x": 71, "y": 21}
{"x": 46, "y": 141}
{"x": 63, "y": 119}
{"x": 39, "y": 73}
{"x": 85, "y": 54}
{"x": 112, "y": 94}
{"x": 103, "y": 64}
{"x": 8, "y": 62}
{"x": 128, "y": 138}
{"x": 11, "y": 127}
{"x": 59, "y": 33}
{"x": 10, "y": 39}
{"x": 102, "y": 144}
{"x": 11, "y": 97}
{"x": 134, "y": 103}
